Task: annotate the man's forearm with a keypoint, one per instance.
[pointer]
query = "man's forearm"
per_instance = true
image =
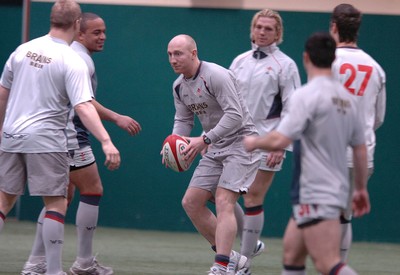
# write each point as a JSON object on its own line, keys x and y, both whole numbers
{"x": 360, "y": 166}
{"x": 91, "y": 119}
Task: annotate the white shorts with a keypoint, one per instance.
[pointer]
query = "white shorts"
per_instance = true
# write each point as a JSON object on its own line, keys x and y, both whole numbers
{"x": 46, "y": 174}
{"x": 232, "y": 168}
{"x": 81, "y": 158}
{"x": 263, "y": 163}
{"x": 309, "y": 214}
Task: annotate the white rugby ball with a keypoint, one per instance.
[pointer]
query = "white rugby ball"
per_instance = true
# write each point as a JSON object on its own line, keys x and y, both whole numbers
{"x": 172, "y": 153}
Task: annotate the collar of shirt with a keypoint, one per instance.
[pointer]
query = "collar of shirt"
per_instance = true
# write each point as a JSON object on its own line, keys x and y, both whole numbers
{"x": 257, "y": 54}
{"x": 262, "y": 52}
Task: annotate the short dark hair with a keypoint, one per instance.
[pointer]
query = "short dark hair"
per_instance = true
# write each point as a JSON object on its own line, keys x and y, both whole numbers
{"x": 321, "y": 48}
{"x": 87, "y": 16}
{"x": 348, "y": 20}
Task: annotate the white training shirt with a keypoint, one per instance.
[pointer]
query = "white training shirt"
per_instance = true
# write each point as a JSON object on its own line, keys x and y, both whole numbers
{"x": 365, "y": 78}
{"x": 45, "y": 77}
{"x": 322, "y": 120}
{"x": 212, "y": 96}
{"x": 266, "y": 81}
{"x": 77, "y": 133}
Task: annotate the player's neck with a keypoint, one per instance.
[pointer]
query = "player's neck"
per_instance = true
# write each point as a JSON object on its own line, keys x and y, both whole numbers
{"x": 347, "y": 44}
{"x": 67, "y": 36}
{"x": 193, "y": 71}
{"x": 316, "y": 72}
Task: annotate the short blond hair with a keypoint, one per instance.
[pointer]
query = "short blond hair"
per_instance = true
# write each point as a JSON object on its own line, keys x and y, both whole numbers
{"x": 272, "y": 14}
{"x": 64, "y": 13}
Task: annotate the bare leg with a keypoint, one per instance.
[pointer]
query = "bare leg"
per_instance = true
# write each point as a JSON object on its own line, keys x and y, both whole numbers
{"x": 323, "y": 244}
{"x": 7, "y": 202}
{"x": 226, "y": 221}
{"x": 294, "y": 249}
{"x": 195, "y": 204}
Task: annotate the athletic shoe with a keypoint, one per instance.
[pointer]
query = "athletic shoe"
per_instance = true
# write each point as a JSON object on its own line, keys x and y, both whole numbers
{"x": 217, "y": 269}
{"x": 34, "y": 269}
{"x": 259, "y": 249}
{"x": 244, "y": 271}
{"x": 94, "y": 269}
{"x": 237, "y": 262}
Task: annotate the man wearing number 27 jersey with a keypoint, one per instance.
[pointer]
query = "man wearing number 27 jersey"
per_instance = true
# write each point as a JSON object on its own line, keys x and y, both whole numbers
{"x": 363, "y": 77}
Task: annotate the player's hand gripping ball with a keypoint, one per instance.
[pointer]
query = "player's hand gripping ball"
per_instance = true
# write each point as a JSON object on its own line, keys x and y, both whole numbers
{"x": 172, "y": 153}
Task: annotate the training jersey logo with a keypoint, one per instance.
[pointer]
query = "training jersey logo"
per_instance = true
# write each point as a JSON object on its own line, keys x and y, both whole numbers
{"x": 16, "y": 136}
{"x": 341, "y": 104}
{"x": 269, "y": 70}
{"x": 37, "y": 60}
{"x": 198, "y": 108}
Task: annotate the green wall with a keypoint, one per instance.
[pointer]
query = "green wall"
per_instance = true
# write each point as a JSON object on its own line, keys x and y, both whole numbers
{"x": 135, "y": 79}
{"x": 10, "y": 29}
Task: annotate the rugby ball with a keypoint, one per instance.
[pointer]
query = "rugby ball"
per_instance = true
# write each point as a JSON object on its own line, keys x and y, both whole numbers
{"x": 172, "y": 153}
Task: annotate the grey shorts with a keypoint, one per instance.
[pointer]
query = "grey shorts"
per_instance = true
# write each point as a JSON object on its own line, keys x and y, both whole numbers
{"x": 263, "y": 163}
{"x": 308, "y": 214}
{"x": 81, "y": 158}
{"x": 232, "y": 168}
{"x": 46, "y": 174}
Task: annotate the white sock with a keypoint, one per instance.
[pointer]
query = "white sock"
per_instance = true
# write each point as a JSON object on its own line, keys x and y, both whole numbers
{"x": 53, "y": 238}
{"x": 347, "y": 237}
{"x": 38, "y": 251}
{"x": 86, "y": 222}
{"x": 252, "y": 228}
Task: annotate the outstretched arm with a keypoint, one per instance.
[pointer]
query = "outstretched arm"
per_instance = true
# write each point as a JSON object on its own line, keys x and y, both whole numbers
{"x": 125, "y": 122}
{"x": 270, "y": 142}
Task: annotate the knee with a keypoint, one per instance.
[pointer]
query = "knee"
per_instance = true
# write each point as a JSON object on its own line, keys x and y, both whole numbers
{"x": 291, "y": 256}
{"x": 321, "y": 267}
{"x": 189, "y": 205}
{"x": 326, "y": 267}
{"x": 7, "y": 203}
{"x": 94, "y": 187}
{"x": 291, "y": 259}
{"x": 253, "y": 198}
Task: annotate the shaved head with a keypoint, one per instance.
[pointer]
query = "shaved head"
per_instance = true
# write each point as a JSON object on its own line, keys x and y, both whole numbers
{"x": 185, "y": 41}
{"x": 182, "y": 52}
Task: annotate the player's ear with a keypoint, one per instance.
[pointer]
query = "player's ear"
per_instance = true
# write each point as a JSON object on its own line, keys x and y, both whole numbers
{"x": 77, "y": 24}
{"x": 306, "y": 57}
{"x": 79, "y": 36}
{"x": 306, "y": 60}
{"x": 194, "y": 53}
{"x": 333, "y": 28}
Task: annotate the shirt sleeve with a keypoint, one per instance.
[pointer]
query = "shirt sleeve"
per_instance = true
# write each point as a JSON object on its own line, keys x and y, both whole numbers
{"x": 289, "y": 82}
{"x": 184, "y": 118}
{"x": 297, "y": 117}
{"x": 380, "y": 104}
{"x": 7, "y": 75}
{"x": 77, "y": 80}
{"x": 358, "y": 136}
{"x": 90, "y": 65}
{"x": 224, "y": 87}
